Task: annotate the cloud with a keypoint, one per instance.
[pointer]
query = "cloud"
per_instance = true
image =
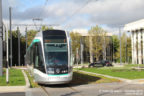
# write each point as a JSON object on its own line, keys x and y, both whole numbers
{"x": 78, "y": 14}
{"x": 54, "y": 12}
{"x": 115, "y": 12}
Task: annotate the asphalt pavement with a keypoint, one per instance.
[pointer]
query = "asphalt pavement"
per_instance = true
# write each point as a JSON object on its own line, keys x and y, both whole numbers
{"x": 103, "y": 89}
{"x": 13, "y": 94}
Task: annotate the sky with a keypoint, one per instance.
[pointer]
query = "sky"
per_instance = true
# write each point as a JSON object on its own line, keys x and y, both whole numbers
{"x": 75, "y": 14}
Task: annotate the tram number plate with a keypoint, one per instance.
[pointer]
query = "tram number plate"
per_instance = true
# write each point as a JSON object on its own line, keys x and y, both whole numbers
{"x": 58, "y": 77}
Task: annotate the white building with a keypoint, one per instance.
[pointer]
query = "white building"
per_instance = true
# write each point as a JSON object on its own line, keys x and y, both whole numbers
{"x": 137, "y": 40}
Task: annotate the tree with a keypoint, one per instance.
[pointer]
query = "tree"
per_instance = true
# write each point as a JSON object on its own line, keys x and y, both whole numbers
{"x": 30, "y": 36}
{"x": 126, "y": 48}
{"x": 15, "y": 48}
{"x": 116, "y": 46}
{"x": 75, "y": 37}
{"x": 86, "y": 48}
{"x": 96, "y": 37}
{"x": 129, "y": 52}
{"x": 46, "y": 28}
{"x": 123, "y": 46}
{"x": 106, "y": 41}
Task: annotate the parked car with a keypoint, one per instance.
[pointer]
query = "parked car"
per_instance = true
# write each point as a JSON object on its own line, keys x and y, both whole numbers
{"x": 106, "y": 63}
{"x": 101, "y": 63}
{"x": 95, "y": 64}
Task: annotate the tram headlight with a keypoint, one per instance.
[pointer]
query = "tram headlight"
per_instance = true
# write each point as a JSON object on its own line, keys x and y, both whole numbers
{"x": 50, "y": 70}
{"x": 57, "y": 70}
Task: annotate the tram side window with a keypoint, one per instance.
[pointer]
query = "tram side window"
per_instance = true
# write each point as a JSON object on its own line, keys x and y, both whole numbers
{"x": 35, "y": 58}
{"x": 38, "y": 57}
{"x": 31, "y": 55}
{"x": 28, "y": 57}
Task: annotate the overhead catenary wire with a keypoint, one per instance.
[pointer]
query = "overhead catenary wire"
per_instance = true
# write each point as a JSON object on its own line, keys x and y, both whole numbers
{"x": 40, "y": 17}
{"x": 76, "y": 11}
{"x": 36, "y": 19}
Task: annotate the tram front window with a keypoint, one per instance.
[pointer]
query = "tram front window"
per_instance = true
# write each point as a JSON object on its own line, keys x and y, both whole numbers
{"x": 56, "y": 57}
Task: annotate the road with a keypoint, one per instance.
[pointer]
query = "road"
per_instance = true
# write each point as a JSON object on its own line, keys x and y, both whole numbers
{"x": 105, "y": 89}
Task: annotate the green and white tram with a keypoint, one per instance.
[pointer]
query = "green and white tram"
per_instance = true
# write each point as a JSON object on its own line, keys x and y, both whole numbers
{"x": 49, "y": 57}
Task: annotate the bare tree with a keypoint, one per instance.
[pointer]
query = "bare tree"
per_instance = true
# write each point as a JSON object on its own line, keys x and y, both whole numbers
{"x": 75, "y": 37}
{"x": 98, "y": 43}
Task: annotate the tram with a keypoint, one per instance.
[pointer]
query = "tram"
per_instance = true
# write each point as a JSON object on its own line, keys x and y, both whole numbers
{"x": 49, "y": 59}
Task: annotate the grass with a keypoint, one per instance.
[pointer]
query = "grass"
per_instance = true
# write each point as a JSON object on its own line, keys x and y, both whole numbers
{"x": 16, "y": 78}
{"x": 80, "y": 78}
{"x": 31, "y": 80}
{"x": 133, "y": 65}
{"x": 123, "y": 72}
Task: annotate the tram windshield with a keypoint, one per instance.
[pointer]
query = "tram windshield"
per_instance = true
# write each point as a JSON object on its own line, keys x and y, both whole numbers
{"x": 56, "y": 53}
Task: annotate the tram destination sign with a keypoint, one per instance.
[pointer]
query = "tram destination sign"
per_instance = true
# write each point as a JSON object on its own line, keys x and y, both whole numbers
{"x": 55, "y": 41}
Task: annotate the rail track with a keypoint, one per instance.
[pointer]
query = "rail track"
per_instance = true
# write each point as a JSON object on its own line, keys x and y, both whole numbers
{"x": 61, "y": 90}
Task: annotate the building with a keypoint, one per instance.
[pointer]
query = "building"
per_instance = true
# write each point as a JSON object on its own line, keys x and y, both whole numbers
{"x": 137, "y": 40}
{"x": 88, "y": 55}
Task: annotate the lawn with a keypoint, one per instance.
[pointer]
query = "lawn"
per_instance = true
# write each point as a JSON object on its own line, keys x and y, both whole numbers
{"x": 79, "y": 79}
{"x": 133, "y": 65}
{"x": 123, "y": 72}
{"x": 16, "y": 78}
{"x": 31, "y": 80}
{"x": 82, "y": 78}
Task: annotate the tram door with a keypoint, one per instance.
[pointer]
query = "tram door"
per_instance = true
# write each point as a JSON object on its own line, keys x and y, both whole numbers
{"x": 38, "y": 58}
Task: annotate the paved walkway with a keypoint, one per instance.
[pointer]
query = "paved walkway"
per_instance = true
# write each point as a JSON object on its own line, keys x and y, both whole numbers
{"x": 15, "y": 90}
{"x": 135, "y": 81}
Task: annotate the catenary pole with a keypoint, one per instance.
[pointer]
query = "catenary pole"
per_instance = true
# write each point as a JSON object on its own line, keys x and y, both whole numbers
{"x": 26, "y": 37}
{"x": 1, "y": 45}
{"x": 10, "y": 22}
{"x": 7, "y": 56}
{"x": 18, "y": 46}
{"x": 120, "y": 45}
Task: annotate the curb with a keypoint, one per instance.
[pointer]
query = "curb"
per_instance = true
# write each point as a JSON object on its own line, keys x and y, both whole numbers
{"x": 26, "y": 79}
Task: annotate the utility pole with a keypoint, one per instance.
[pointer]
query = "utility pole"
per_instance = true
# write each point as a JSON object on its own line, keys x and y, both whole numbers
{"x": 10, "y": 36}
{"x": 7, "y": 56}
{"x": 77, "y": 56}
{"x": 120, "y": 45}
{"x": 26, "y": 37}
{"x": 1, "y": 44}
{"x": 112, "y": 50}
{"x": 18, "y": 45}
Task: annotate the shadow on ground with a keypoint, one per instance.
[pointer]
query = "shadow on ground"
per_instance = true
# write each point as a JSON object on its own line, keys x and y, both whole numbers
{"x": 81, "y": 79}
{"x": 78, "y": 79}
